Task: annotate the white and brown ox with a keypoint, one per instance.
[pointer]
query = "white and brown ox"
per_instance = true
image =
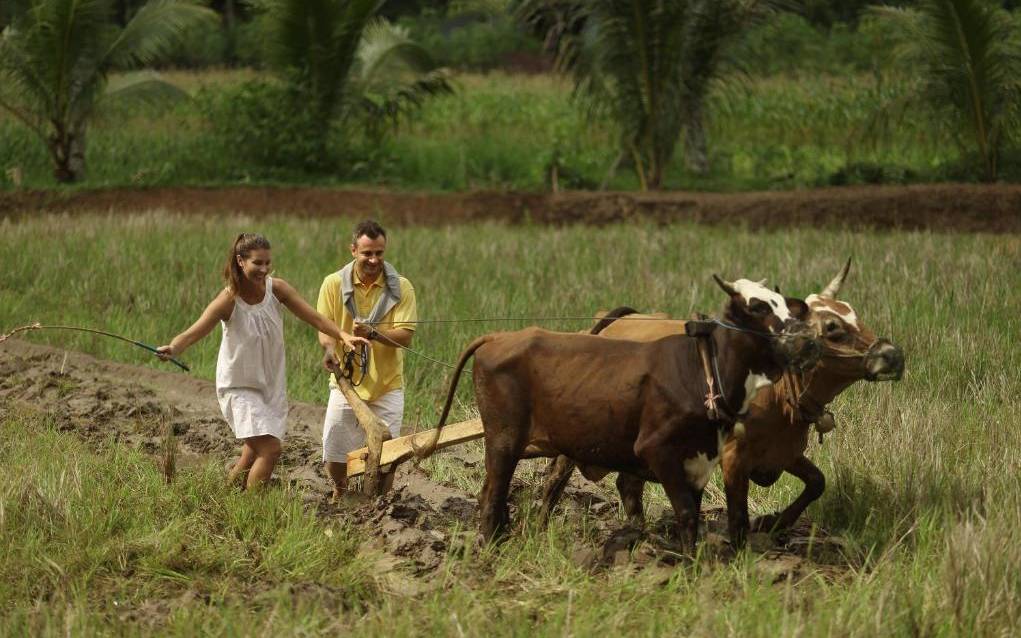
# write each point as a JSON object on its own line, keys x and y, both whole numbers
{"x": 625, "y": 406}
{"x": 771, "y": 439}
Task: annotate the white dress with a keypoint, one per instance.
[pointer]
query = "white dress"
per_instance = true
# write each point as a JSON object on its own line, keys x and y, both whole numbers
{"x": 251, "y": 377}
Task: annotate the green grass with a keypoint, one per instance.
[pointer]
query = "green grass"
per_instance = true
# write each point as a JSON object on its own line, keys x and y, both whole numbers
{"x": 503, "y": 131}
{"x": 96, "y": 539}
{"x": 922, "y": 474}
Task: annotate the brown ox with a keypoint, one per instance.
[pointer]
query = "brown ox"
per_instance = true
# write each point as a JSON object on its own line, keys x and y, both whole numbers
{"x": 621, "y": 405}
{"x": 772, "y": 438}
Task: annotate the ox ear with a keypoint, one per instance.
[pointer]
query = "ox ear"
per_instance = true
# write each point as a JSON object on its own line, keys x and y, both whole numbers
{"x": 833, "y": 288}
{"x": 776, "y": 289}
{"x": 798, "y": 308}
{"x": 727, "y": 286}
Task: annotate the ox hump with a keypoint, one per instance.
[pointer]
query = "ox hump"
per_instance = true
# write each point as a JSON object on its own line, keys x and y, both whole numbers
{"x": 757, "y": 290}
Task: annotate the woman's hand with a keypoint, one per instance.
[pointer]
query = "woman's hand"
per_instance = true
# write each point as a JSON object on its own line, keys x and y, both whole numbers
{"x": 353, "y": 343}
{"x": 166, "y": 353}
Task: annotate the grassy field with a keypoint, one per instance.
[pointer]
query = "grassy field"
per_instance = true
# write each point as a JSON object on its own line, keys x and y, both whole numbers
{"x": 922, "y": 474}
{"x": 501, "y": 131}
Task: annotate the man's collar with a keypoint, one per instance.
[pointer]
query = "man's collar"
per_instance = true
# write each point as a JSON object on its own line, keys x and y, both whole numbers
{"x": 356, "y": 276}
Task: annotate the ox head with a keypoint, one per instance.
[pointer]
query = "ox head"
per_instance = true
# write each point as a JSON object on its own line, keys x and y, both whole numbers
{"x": 756, "y": 308}
{"x": 848, "y": 345}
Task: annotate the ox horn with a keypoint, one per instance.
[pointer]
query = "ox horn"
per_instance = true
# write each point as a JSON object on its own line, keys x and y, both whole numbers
{"x": 831, "y": 290}
{"x": 727, "y": 286}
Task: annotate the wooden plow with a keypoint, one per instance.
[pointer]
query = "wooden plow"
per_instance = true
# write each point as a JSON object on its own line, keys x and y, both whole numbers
{"x": 380, "y": 450}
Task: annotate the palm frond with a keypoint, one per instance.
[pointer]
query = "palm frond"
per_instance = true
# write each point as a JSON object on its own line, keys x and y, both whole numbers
{"x": 386, "y": 47}
{"x": 140, "y": 87}
{"x": 396, "y": 75}
{"x": 154, "y": 30}
{"x": 967, "y": 57}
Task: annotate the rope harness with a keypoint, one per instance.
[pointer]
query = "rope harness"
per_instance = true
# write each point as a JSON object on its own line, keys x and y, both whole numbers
{"x": 359, "y": 357}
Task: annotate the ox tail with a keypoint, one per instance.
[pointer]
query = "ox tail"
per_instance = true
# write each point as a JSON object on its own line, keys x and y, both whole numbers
{"x": 610, "y": 317}
{"x": 430, "y": 447}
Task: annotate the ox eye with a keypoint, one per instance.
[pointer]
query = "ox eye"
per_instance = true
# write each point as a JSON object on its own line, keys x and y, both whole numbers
{"x": 760, "y": 307}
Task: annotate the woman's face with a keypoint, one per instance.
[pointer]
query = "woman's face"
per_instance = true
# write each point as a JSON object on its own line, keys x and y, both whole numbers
{"x": 256, "y": 267}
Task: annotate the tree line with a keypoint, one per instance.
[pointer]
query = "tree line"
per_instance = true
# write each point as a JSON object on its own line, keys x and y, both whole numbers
{"x": 647, "y": 65}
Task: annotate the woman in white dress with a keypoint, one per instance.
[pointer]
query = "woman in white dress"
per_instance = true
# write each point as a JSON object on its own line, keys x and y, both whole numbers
{"x": 251, "y": 378}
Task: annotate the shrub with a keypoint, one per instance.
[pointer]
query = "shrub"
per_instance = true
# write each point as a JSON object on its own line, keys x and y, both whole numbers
{"x": 269, "y": 126}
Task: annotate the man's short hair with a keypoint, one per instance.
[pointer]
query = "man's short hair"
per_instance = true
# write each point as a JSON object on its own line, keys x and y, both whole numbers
{"x": 369, "y": 228}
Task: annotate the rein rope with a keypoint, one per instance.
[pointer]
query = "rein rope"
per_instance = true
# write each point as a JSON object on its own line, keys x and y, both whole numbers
{"x": 39, "y": 326}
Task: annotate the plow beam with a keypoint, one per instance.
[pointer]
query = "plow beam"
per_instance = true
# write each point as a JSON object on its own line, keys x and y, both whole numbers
{"x": 399, "y": 449}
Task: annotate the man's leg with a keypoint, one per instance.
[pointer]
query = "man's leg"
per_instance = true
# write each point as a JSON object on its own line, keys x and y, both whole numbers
{"x": 341, "y": 434}
{"x": 390, "y": 410}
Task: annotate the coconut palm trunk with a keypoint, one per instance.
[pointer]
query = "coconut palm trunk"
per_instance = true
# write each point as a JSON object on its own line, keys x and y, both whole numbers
{"x": 696, "y": 146}
{"x": 67, "y": 151}
{"x": 57, "y": 58}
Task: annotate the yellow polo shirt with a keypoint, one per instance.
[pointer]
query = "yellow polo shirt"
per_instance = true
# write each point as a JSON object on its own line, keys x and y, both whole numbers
{"x": 386, "y": 363}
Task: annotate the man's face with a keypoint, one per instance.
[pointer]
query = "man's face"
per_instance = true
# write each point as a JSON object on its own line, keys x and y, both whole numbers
{"x": 368, "y": 254}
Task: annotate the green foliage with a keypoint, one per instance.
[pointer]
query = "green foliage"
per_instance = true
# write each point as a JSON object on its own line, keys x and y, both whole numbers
{"x": 340, "y": 67}
{"x": 786, "y": 43}
{"x": 967, "y": 58}
{"x": 268, "y": 128}
{"x": 56, "y": 57}
{"x": 647, "y": 66}
{"x": 472, "y": 42}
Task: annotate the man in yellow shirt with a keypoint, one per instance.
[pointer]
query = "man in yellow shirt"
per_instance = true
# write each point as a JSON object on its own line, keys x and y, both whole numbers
{"x": 367, "y": 298}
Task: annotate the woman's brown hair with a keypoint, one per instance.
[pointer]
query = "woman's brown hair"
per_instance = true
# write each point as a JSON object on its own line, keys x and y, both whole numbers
{"x": 243, "y": 247}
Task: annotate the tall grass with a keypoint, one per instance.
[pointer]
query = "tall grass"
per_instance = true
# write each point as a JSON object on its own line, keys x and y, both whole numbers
{"x": 94, "y": 539}
{"x": 922, "y": 474}
{"x": 504, "y": 131}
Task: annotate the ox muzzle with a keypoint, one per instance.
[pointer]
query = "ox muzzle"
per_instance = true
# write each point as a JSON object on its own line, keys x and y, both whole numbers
{"x": 884, "y": 361}
{"x": 797, "y": 346}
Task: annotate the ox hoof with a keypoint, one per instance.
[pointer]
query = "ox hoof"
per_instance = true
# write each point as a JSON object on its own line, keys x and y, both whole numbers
{"x": 770, "y": 524}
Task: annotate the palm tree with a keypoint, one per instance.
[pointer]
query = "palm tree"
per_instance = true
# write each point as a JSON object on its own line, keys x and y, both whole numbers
{"x": 711, "y": 26}
{"x": 648, "y": 65}
{"x": 342, "y": 61}
{"x": 967, "y": 58}
{"x": 57, "y": 56}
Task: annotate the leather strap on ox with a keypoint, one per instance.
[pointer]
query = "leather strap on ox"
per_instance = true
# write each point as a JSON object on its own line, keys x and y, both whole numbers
{"x": 701, "y": 329}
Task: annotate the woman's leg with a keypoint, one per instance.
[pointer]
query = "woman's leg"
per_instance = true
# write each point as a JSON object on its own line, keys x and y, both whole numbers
{"x": 267, "y": 452}
{"x": 243, "y": 464}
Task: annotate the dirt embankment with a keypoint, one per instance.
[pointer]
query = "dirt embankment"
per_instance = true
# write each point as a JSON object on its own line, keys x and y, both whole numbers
{"x": 994, "y": 208}
{"x": 408, "y": 530}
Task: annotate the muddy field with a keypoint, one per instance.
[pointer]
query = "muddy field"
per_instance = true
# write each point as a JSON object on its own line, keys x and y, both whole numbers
{"x": 409, "y": 528}
{"x": 941, "y": 207}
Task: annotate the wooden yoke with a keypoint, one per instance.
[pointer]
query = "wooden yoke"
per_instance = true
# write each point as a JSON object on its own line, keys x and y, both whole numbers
{"x": 375, "y": 433}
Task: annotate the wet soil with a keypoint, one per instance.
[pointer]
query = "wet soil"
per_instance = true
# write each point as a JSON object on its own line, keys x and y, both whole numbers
{"x": 411, "y": 530}
{"x": 992, "y": 208}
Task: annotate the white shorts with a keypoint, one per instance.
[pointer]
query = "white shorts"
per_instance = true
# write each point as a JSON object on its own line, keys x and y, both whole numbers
{"x": 341, "y": 431}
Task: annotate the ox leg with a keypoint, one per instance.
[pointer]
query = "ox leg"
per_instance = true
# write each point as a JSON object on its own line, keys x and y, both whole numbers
{"x": 815, "y": 485}
{"x": 559, "y": 474}
{"x": 631, "y": 489}
{"x": 681, "y": 494}
{"x": 735, "y": 485}
{"x": 494, "y": 515}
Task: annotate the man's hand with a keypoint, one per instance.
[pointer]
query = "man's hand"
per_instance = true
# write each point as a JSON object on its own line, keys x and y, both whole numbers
{"x": 364, "y": 330}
